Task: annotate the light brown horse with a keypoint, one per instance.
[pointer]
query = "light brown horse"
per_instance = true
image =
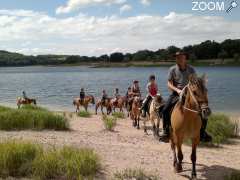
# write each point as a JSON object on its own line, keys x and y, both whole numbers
{"x": 186, "y": 120}
{"x": 88, "y": 99}
{"x": 120, "y": 103}
{"x": 153, "y": 114}
{"x": 135, "y": 111}
{"x": 106, "y": 104}
{"x": 22, "y": 101}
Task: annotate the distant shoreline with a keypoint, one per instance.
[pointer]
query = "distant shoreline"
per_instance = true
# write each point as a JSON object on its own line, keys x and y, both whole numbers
{"x": 199, "y": 63}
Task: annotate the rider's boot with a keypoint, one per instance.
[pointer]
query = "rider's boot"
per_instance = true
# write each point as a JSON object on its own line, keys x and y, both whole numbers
{"x": 204, "y": 136}
{"x": 166, "y": 135}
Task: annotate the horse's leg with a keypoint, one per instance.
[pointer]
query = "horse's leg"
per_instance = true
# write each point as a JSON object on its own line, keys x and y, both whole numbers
{"x": 173, "y": 147}
{"x": 102, "y": 109}
{"x": 96, "y": 108}
{"x": 138, "y": 119}
{"x": 158, "y": 124}
{"x": 180, "y": 156}
{"x": 153, "y": 124}
{"x": 86, "y": 108}
{"x": 194, "y": 157}
{"x": 144, "y": 125}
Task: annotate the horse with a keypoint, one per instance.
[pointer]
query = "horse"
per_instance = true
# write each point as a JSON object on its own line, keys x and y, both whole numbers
{"x": 153, "y": 114}
{"x": 106, "y": 103}
{"x": 135, "y": 111}
{"x": 23, "y": 101}
{"x": 119, "y": 103}
{"x": 88, "y": 99}
{"x": 186, "y": 120}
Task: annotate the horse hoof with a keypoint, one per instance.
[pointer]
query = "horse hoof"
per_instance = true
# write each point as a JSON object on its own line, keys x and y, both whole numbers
{"x": 194, "y": 177}
{"x": 178, "y": 168}
{"x": 138, "y": 127}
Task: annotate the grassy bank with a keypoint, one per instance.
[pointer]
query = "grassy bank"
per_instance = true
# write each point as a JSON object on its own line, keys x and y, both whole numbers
{"x": 24, "y": 159}
{"x": 84, "y": 114}
{"x": 31, "y": 117}
{"x": 221, "y": 128}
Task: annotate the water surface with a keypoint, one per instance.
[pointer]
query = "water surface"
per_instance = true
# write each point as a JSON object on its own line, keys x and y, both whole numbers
{"x": 55, "y": 87}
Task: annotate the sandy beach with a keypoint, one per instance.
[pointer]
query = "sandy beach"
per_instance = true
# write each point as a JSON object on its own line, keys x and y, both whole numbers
{"x": 127, "y": 147}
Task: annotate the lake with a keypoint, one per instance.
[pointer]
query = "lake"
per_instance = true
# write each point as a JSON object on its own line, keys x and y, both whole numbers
{"x": 55, "y": 87}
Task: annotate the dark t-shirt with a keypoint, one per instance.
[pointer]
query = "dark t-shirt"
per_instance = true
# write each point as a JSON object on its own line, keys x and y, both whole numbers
{"x": 179, "y": 77}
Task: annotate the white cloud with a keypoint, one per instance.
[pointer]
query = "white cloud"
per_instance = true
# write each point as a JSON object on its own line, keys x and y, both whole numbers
{"x": 39, "y": 33}
{"x": 125, "y": 7}
{"x": 73, "y": 5}
{"x": 146, "y": 2}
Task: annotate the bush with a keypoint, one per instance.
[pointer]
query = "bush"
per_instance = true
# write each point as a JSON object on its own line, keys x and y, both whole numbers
{"x": 221, "y": 128}
{"x": 19, "y": 159}
{"x": 84, "y": 114}
{"x": 109, "y": 122}
{"x": 16, "y": 158}
{"x": 233, "y": 176}
{"x": 31, "y": 118}
{"x": 119, "y": 115}
{"x": 138, "y": 174}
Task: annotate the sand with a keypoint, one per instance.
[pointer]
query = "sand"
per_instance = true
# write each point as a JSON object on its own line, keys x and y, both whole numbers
{"x": 128, "y": 147}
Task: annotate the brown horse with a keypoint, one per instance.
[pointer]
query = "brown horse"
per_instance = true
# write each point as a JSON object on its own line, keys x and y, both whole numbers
{"x": 135, "y": 111}
{"x": 22, "y": 101}
{"x": 120, "y": 103}
{"x": 153, "y": 114}
{"x": 88, "y": 99}
{"x": 106, "y": 104}
{"x": 186, "y": 120}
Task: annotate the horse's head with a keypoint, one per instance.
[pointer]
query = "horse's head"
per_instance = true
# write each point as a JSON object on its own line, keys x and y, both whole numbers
{"x": 199, "y": 94}
{"x": 158, "y": 100}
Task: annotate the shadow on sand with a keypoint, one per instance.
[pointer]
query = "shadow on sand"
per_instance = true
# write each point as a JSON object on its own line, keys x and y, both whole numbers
{"x": 215, "y": 172}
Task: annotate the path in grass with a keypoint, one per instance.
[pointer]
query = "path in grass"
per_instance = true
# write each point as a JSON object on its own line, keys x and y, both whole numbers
{"x": 131, "y": 148}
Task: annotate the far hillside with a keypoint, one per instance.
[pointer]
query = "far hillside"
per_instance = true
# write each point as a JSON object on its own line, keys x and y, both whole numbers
{"x": 205, "y": 53}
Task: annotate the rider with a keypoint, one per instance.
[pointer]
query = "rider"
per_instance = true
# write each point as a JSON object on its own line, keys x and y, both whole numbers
{"x": 177, "y": 79}
{"x": 135, "y": 89}
{"x": 104, "y": 96}
{"x": 117, "y": 96}
{"x": 152, "y": 90}
{"x": 24, "y": 96}
{"x": 82, "y": 95}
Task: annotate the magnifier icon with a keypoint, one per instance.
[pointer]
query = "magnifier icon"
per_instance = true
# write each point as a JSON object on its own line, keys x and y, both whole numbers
{"x": 233, "y": 4}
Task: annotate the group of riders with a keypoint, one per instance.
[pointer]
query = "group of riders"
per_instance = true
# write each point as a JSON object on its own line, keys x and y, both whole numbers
{"x": 178, "y": 78}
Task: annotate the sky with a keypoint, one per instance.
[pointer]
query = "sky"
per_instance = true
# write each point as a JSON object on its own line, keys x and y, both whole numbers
{"x": 96, "y": 27}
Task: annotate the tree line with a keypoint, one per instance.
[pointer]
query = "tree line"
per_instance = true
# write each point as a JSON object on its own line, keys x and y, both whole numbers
{"x": 207, "y": 50}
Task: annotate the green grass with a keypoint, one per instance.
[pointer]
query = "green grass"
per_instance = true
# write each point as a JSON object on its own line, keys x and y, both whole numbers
{"x": 109, "y": 122}
{"x": 29, "y": 117}
{"x": 16, "y": 158}
{"x": 233, "y": 176}
{"x": 137, "y": 174}
{"x": 84, "y": 114}
{"x": 221, "y": 128}
{"x": 22, "y": 159}
{"x": 119, "y": 115}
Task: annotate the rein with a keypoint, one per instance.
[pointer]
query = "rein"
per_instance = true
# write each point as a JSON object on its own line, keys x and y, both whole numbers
{"x": 194, "y": 99}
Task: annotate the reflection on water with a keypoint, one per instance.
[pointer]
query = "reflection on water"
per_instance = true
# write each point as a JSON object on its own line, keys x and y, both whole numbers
{"x": 55, "y": 87}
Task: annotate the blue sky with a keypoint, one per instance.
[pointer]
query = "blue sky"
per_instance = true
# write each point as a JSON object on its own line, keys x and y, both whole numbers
{"x": 161, "y": 7}
{"x": 89, "y": 28}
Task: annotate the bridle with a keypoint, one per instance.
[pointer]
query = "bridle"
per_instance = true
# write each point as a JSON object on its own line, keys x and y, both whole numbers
{"x": 199, "y": 111}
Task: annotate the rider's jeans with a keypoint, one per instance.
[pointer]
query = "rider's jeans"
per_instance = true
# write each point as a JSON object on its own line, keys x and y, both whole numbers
{"x": 166, "y": 110}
